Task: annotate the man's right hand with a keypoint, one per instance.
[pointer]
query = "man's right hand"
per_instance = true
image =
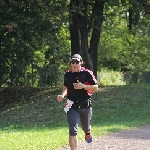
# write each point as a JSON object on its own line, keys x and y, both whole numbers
{"x": 60, "y": 98}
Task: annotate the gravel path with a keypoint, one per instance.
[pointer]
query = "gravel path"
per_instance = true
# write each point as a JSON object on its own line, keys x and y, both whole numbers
{"x": 135, "y": 139}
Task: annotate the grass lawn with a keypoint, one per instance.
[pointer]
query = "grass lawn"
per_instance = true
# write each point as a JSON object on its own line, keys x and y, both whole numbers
{"x": 39, "y": 123}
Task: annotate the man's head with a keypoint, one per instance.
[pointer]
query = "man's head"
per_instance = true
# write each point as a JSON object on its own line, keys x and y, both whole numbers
{"x": 76, "y": 62}
{"x": 76, "y": 57}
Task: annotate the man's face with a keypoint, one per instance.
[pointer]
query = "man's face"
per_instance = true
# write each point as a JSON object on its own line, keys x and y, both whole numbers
{"x": 76, "y": 65}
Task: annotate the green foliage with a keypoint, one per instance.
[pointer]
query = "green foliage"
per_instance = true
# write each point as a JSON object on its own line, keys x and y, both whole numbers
{"x": 35, "y": 39}
{"x": 25, "y": 27}
{"x": 107, "y": 77}
{"x": 119, "y": 46}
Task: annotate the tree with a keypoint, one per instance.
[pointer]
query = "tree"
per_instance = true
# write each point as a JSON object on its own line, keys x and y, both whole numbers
{"x": 25, "y": 27}
{"x": 112, "y": 28}
{"x": 86, "y": 19}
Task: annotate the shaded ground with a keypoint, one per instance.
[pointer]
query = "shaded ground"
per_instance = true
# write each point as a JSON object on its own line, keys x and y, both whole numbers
{"x": 135, "y": 139}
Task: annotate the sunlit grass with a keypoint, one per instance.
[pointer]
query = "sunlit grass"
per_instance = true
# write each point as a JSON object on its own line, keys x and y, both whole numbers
{"x": 41, "y": 125}
{"x": 33, "y": 139}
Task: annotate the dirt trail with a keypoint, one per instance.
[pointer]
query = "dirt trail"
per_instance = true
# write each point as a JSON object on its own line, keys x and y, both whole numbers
{"x": 135, "y": 139}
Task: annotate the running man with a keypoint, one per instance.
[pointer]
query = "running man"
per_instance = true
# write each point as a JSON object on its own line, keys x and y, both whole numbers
{"x": 79, "y": 84}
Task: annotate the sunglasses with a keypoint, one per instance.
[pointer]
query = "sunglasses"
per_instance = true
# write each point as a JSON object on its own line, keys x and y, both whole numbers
{"x": 75, "y": 62}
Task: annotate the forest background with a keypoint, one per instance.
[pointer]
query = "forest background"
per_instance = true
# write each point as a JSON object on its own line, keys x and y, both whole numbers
{"x": 38, "y": 38}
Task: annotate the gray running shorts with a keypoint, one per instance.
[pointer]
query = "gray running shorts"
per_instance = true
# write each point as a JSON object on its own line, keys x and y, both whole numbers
{"x": 74, "y": 116}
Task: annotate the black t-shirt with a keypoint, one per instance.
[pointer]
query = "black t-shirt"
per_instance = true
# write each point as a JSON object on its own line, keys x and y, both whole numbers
{"x": 84, "y": 76}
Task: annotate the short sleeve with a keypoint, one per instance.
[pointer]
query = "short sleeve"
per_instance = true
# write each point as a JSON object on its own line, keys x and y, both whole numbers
{"x": 91, "y": 78}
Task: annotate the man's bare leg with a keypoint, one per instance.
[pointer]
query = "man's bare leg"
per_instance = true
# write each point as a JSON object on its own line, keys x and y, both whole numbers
{"x": 73, "y": 142}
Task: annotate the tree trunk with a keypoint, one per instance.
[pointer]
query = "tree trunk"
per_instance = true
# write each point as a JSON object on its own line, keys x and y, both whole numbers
{"x": 84, "y": 37}
{"x": 74, "y": 27}
{"x": 130, "y": 19}
{"x": 79, "y": 28}
{"x": 95, "y": 39}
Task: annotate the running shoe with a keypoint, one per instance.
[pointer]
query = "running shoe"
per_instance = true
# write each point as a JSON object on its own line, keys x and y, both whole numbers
{"x": 88, "y": 138}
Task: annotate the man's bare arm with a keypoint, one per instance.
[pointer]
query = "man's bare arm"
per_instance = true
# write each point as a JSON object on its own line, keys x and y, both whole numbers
{"x": 63, "y": 93}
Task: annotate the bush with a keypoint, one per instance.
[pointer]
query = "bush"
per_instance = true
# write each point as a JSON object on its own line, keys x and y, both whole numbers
{"x": 109, "y": 77}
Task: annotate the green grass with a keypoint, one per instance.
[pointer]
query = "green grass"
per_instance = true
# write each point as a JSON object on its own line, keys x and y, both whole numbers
{"x": 40, "y": 123}
{"x": 32, "y": 139}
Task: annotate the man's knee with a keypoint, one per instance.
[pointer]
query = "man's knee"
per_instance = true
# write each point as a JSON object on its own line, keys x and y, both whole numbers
{"x": 73, "y": 129}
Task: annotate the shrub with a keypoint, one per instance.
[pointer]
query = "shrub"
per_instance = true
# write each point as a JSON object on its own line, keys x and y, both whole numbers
{"x": 109, "y": 77}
